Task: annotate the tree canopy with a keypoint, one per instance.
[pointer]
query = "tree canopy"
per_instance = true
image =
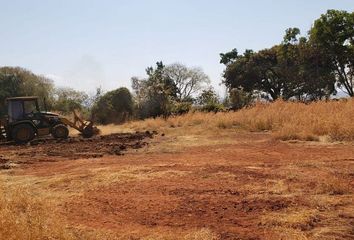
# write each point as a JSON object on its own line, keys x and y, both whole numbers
{"x": 67, "y": 100}
{"x": 333, "y": 35}
{"x": 113, "y": 107}
{"x": 16, "y": 81}
{"x": 305, "y": 68}
{"x": 167, "y": 87}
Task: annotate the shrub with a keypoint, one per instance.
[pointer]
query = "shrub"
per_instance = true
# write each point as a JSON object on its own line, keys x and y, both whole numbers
{"x": 213, "y": 107}
{"x": 240, "y": 99}
{"x": 180, "y": 108}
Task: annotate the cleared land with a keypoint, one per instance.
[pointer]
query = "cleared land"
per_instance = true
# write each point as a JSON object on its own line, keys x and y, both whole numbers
{"x": 194, "y": 182}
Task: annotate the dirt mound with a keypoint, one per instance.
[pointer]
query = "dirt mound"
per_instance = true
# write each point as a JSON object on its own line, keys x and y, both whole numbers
{"x": 50, "y": 149}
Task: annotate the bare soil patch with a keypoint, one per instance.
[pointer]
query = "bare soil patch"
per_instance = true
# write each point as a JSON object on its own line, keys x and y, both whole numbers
{"x": 50, "y": 149}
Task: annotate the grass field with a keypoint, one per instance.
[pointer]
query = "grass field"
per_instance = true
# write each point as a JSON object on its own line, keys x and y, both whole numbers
{"x": 272, "y": 171}
{"x": 286, "y": 120}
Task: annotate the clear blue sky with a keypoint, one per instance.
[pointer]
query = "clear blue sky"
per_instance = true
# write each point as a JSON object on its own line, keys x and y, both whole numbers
{"x": 85, "y": 44}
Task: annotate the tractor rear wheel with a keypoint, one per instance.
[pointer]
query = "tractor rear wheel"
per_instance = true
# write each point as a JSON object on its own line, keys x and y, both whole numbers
{"x": 60, "y": 131}
{"x": 22, "y": 133}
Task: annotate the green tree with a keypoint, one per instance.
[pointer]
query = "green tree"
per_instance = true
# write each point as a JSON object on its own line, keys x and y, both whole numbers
{"x": 239, "y": 72}
{"x": 269, "y": 77}
{"x": 256, "y": 71}
{"x": 229, "y": 57}
{"x": 315, "y": 79}
{"x": 306, "y": 71}
{"x": 16, "y": 81}
{"x": 30, "y": 83}
{"x": 113, "y": 107}
{"x": 67, "y": 100}
{"x": 155, "y": 94}
{"x": 209, "y": 101}
{"x": 9, "y": 86}
{"x": 333, "y": 34}
{"x": 208, "y": 96}
{"x": 296, "y": 68}
{"x": 240, "y": 99}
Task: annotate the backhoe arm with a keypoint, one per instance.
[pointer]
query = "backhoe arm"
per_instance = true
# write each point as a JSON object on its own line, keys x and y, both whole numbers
{"x": 85, "y": 127}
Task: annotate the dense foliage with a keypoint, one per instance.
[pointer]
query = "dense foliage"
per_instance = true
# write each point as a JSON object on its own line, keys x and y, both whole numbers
{"x": 15, "y": 81}
{"x": 67, "y": 100}
{"x": 333, "y": 34}
{"x": 303, "y": 68}
{"x": 113, "y": 107}
{"x": 167, "y": 89}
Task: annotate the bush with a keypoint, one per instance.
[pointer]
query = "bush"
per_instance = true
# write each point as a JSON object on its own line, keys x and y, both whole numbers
{"x": 180, "y": 108}
{"x": 213, "y": 107}
{"x": 208, "y": 101}
{"x": 68, "y": 100}
{"x": 240, "y": 99}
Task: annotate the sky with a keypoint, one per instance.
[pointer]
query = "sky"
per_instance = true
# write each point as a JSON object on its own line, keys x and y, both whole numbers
{"x": 85, "y": 44}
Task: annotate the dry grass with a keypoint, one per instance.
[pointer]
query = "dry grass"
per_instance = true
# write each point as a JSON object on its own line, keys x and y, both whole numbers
{"x": 27, "y": 213}
{"x": 334, "y": 186}
{"x": 287, "y": 121}
{"x": 27, "y": 210}
{"x": 25, "y": 216}
{"x": 205, "y": 234}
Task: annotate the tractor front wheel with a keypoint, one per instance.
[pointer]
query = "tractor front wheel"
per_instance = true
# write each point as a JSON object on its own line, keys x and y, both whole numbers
{"x": 60, "y": 131}
{"x": 22, "y": 133}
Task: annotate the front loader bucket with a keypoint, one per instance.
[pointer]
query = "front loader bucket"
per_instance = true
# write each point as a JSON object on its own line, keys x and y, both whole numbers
{"x": 90, "y": 130}
{"x": 86, "y": 128}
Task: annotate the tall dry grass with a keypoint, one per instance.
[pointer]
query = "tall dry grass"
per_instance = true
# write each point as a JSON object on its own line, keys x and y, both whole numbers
{"x": 287, "y": 120}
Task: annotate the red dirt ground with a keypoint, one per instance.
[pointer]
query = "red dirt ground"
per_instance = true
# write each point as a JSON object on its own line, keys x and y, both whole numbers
{"x": 231, "y": 189}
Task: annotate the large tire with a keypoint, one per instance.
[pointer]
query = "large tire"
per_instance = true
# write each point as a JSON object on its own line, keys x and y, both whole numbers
{"x": 60, "y": 131}
{"x": 23, "y": 133}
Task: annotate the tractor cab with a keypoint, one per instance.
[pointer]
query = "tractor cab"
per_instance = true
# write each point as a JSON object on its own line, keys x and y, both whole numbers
{"x": 22, "y": 108}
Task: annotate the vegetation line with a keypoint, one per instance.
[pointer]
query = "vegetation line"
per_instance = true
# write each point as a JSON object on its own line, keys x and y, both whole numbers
{"x": 287, "y": 120}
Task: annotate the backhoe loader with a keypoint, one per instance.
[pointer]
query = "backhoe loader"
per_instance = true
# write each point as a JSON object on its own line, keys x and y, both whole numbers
{"x": 25, "y": 121}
